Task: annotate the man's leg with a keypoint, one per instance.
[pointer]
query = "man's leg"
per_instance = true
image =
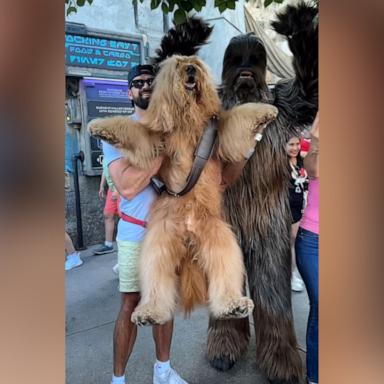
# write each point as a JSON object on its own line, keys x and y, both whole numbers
{"x": 162, "y": 335}
{"x": 110, "y": 209}
{"x": 109, "y": 223}
{"x": 163, "y": 373}
{"x": 72, "y": 258}
{"x": 68, "y": 244}
{"x": 124, "y": 335}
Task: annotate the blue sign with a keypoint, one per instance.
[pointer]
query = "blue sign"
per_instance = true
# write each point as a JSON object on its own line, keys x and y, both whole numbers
{"x": 104, "y": 98}
{"x": 101, "y": 52}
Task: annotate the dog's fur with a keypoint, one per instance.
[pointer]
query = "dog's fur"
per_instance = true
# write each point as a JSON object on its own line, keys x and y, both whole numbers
{"x": 257, "y": 204}
{"x": 189, "y": 253}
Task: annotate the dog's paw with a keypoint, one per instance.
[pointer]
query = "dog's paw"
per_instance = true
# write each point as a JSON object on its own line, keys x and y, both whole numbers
{"x": 236, "y": 309}
{"x": 101, "y": 129}
{"x": 147, "y": 315}
{"x": 266, "y": 114}
{"x": 94, "y": 126}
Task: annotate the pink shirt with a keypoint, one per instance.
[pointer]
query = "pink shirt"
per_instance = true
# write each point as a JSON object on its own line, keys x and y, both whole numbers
{"x": 310, "y": 220}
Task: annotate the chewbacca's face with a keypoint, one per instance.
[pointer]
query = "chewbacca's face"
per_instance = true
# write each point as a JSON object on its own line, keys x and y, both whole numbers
{"x": 244, "y": 68}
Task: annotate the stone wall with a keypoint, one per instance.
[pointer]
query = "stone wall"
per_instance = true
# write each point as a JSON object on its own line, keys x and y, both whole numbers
{"x": 91, "y": 210}
{"x": 118, "y": 16}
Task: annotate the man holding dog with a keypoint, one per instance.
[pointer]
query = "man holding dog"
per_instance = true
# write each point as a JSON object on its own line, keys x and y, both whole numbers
{"x": 137, "y": 195}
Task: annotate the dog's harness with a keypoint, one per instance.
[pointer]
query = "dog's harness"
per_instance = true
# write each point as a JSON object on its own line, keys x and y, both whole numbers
{"x": 202, "y": 154}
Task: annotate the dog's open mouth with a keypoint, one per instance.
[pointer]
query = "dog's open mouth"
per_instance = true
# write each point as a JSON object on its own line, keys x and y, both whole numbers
{"x": 190, "y": 84}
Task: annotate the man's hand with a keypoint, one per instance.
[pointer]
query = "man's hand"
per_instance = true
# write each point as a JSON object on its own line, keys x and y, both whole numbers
{"x": 101, "y": 193}
{"x": 115, "y": 195}
{"x": 129, "y": 180}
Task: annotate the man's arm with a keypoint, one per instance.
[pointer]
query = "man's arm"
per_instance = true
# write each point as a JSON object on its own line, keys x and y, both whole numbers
{"x": 129, "y": 180}
{"x": 102, "y": 187}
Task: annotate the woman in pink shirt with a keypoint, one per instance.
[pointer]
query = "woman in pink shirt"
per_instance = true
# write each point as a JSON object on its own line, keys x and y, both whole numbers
{"x": 307, "y": 252}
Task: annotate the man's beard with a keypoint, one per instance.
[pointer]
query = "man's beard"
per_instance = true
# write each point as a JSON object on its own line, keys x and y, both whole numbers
{"x": 141, "y": 102}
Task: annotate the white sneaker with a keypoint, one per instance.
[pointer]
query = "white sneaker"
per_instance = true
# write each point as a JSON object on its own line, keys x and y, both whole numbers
{"x": 169, "y": 377}
{"x": 73, "y": 261}
{"x": 118, "y": 380}
{"x": 115, "y": 269}
{"x": 297, "y": 284}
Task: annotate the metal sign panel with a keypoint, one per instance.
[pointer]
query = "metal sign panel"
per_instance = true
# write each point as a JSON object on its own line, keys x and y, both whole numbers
{"x": 101, "y": 53}
{"x": 103, "y": 98}
{"x": 95, "y": 53}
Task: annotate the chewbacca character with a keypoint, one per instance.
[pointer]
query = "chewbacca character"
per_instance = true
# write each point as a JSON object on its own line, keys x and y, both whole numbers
{"x": 189, "y": 251}
{"x": 257, "y": 204}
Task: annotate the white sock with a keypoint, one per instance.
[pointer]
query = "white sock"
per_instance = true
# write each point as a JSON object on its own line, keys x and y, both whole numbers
{"x": 108, "y": 243}
{"x": 72, "y": 255}
{"x": 118, "y": 379}
{"x": 162, "y": 366}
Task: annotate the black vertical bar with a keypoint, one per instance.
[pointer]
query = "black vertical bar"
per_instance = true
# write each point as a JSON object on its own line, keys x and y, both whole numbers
{"x": 79, "y": 222}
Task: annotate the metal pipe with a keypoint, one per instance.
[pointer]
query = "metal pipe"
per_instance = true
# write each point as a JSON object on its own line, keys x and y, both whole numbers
{"x": 135, "y": 14}
{"x": 137, "y": 26}
{"x": 165, "y": 23}
{"x": 225, "y": 19}
{"x": 79, "y": 222}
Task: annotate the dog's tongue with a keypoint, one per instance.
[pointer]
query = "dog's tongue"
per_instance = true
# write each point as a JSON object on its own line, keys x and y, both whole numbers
{"x": 190, "y": 84}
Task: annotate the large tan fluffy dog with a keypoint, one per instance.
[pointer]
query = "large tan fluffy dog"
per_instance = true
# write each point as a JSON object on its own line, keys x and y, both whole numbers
{"x": 189, "y": 253}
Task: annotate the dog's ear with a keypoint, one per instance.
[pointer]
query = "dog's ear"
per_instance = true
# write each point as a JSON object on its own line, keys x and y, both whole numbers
{"x": 184, "y": 39}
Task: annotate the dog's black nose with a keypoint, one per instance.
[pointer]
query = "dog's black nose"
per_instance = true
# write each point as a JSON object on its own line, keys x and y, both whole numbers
{"x": 191, "y": 70}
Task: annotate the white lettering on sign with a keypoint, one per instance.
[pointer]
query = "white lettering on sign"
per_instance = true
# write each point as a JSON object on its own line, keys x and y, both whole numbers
{"x": 113, "y": 110}
{"x": 100, "y": 159}
{"x": 86, "y": 40}
{"x": 86, "y": 60}
{"x": 84, "y": 51}
{"x": 120, "y": 55}
{"x": 118, "y": 63}
{"x": 100, "y": 52}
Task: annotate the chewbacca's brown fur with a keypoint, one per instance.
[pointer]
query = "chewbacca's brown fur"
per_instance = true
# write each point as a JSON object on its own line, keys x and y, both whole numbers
{"x": 257, "y": 204}
{"x": 189, "y": 253}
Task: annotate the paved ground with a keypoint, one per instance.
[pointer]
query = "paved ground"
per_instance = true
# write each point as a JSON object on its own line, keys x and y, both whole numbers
{"x": 92, "y": 303}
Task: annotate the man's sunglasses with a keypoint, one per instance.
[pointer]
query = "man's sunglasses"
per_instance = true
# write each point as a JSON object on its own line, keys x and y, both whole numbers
{"x": 140, "y": 83}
